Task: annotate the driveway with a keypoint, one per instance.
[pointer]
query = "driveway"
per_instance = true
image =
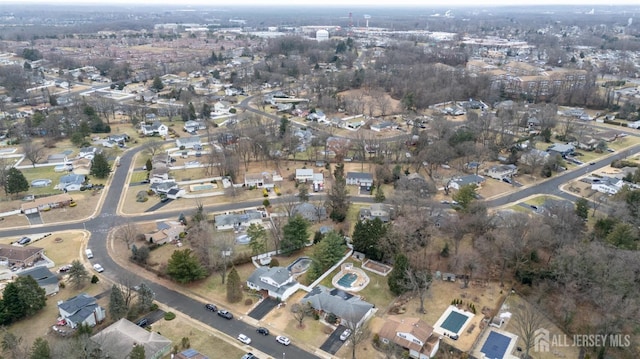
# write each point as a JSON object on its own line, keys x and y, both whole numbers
{"x": 263, "y": 308}
{"x": 34, "y": 218}
{"x": 158, "y": 205}
{"x": 333, "y": 343}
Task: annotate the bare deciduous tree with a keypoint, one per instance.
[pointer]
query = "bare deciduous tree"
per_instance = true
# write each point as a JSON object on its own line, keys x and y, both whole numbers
{"x": 33, "y": 151}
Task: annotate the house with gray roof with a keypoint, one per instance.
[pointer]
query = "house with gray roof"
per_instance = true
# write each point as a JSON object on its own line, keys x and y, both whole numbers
{"x": 70, "y": 182}
{"x": 163, "y": 187}
{"x": 376, "y": 210}
{"x": 81, "y": 309}
{"x": 156, "y": 128}
{"x": 361, "y": 179}
{"x": 309, "y": 211}
{"x": 189, "y": 142}
{"x": 561, "y": 149}
{"x": 350, "y": 308}
{"x": 45, "y": 279}
{"x": 501, "y": 171}
{"x": 237, "y": 220}
{"x": 459, "y": 182}
{"x": 117, "y": 340}
{"x": 276, "y": 282}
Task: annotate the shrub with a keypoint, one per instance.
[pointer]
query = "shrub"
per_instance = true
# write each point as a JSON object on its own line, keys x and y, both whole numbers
{"x": 153, "y": 307}
{"x": 274, "y": 263}
{"x": 94, "y": 279}
{"x": 62, "y": 285}
{"x": 248, "y": 301}
{"x": 169, "y": 316}
{"x": 266, "y": 203}
{"x": 332, "y": 318}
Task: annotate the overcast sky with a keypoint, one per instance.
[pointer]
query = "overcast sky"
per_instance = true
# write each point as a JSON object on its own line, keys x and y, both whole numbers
{"x": 337, "y": 3}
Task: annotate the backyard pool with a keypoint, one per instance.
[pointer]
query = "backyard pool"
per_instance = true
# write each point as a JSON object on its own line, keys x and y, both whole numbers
{"x": 350, "y": 278}
{"x": 452, "y": 322}
{"x": 300, "y": 265}
{"x": 38, "y": 183}
{"x": 347, "y": 280}
{"x": 202, "y": 187}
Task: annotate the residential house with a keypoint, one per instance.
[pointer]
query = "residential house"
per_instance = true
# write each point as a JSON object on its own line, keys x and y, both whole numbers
{"x": 159, "y": 174}
{"x": 501, "y": 171}
{"x": 192, "y": 142}
{"x": 175, "y": 193}
{"x": 57, "y": 158}
{"x": 275, "y": 282}
{"x": 157, "y": 128}
{"x": 46, "y": 203}
{"x": 318, "y": 182}
{"x": 81, "y": 309}
{"x": 383, "y": 126}
{"x": 117, "y": 340}
{"x": 304, "y": 174}
{"x": 166, "y": 231}
{"x": 162, "y": 158}
{"x": 310, "y": 212}
{"x": 261, "y": 180}
{"x": 45, "y": 279}
{"x": 71, "y": 182}
{"x": 415, "y": 184}
{"x": 413, "y": 334}
{"x": 81, "y": 166}
{"x": 361, "y": 179}
{"x": 121, "y": 138}
{"x": 221, "y": 108}
{"x": 608, "y": 185}
{"x": 459, "y": 182}
{"x": 21, "y": 257}
{"x": 237, "y": 220}
{"x": 349, "y": 308}
{"x": 561, "y": 149}
{"x": 193, "y": 126}
{"x": 163, "y": 187}
{"x": 376, "y": 210}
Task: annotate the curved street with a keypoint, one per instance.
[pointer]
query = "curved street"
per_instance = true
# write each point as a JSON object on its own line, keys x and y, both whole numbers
{"x": 106, "y": 217}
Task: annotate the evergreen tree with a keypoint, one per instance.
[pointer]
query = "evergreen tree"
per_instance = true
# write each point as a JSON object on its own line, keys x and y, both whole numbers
{"x": 117, "y": 305}
{"x": 40, "y": 349}
{"x": 379, "y": 197}
{"x": 338, "y": 196}
{"x": 582, "y": 208}
{"x": 366, "y": 236}
{"x": 303, "y": 195}
{"x": 145, "y": 297}
{"x": 257, "y": 235}
{"x": 398, "y": 280}
{"x": 234, "y": 286}
{"x": 100, "y": 166}
{"x": 137, "y": 352}
{"x": 206, "y": 111}
{"x": 12, "y": 305}
{"x": 184, "y": 267}
{"x": 31, "y": 294}
{"x": 78, "y": 275}
{"x": 325, "y": 254}
{"x": 465, "y": 197}
{"x": 16, "y": 182}
{"x": 294, "y": 234}
{"x": 148, "y": 165}
{"x": 157, "y": 84}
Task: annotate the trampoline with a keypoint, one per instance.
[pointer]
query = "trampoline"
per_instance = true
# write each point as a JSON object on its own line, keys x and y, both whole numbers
{"x": 495, "y": 347}
{"x": 454, "y": 322}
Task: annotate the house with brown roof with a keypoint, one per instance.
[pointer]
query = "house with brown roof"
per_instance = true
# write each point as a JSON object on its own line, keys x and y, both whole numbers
{"x": 46, "y": 203}
{"x": 413, "y": 334}
{"x": 20, "y": 256}
{"x": 165, "y": 232}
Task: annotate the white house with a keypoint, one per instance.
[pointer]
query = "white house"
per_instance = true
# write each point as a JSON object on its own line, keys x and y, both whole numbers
{"x": 192, "y": 126}
{"x": 361, "y": 179}
{"x": 156, "y": 128}
{"x": 261, "y": 180}
{"x": 304, "y": 174}
{"x": 87, "y": 152}
{"x": 237, "y": 220}
{"x": 70, "y": 182}
{"x": 276, "y": 282}
{"x": 81, "y": 309}
{"x": 413, "y": 334}
{"x": 609, "y": 185}
{"x": 189, "y": 142}
{"x": 501, "y": 171}
{"x": 459, "y": 182}
{"x": 159, "y": 175}
{"x": 318, "y": 182}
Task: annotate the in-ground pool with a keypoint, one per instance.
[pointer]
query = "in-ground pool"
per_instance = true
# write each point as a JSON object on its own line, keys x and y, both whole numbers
{"x": 452, "y": 321}
{"x": 347, "y": 280}
{"x": 300, "y": 265}
{"x": 350, "y": 278}
{"x": 202, "y": 187}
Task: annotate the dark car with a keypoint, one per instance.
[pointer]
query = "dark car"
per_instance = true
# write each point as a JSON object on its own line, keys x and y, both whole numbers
{"x": 211, "y": 307}
{"x": 142, "y": 322}
{"x": 24, "y": 240}
{"x": 263, "y": 331}
{"x": 225, "y": 314}
{"x": 249, "y": 356}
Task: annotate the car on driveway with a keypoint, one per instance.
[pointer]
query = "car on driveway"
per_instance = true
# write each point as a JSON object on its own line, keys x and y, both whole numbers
{"x": 345, "y": 334}
{"x": 249, "y": 356}
{"x": 283, "y": 340}
{"x": 211, "y": 307}
{"x": 24, "y": 240}
{"x": 225, "y": 314}
{"x": 263, "y": 331}
{"x": 144, "y": 322}
{"x": 244, "y": 339}
{"x": 98, "y": 268}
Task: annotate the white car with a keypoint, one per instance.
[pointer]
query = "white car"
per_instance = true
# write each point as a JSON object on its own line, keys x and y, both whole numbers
{"x": 89, "y": 253}
{"x": 283, "y": 340}
{"x": 345, "y": 334}
{"x": 245, "y": 339}
{"x": 98, "y": 268}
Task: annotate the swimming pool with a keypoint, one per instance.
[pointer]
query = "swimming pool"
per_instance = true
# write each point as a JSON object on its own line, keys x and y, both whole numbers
{"x": 300, "y": 265}
{"x": 41, "y": 183}
{"x": 454, "y": 322}
{"x": 347, "y": 280}
{"x": 202, "y": 187}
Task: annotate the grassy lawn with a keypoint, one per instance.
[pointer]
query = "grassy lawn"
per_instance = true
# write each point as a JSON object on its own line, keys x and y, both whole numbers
{"x": 187, "y": 174}
{"x": 138, "y": 176}
{"x": 43, "y": 173}
{"x": 624, "y": 142}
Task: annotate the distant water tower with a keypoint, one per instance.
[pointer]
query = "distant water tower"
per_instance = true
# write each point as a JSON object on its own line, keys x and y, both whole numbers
{"x": 322, "y": 35}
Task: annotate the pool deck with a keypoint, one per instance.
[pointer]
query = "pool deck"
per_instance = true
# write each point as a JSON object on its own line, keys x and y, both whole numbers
{"x": 357, "y": 285}
{"x": 437, "y": 328}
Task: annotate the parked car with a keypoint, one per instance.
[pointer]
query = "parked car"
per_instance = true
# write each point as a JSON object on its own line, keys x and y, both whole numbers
{"x": 98, "y": 268}
{"x": 345, "y": 334}
{"x": 263, "y": 331}
{"x": 244, "y": 339}
{"x": 24, "y": 240}
{"x": 211, "y": 307}
{"x": 225, "y": 314}
{"x": 64, "y": 268}
{"x": 249, "y": 356}
{"x": 144, "y": 322}
{"x": 89, "y": 253}
{"x": 283, "y": 340}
